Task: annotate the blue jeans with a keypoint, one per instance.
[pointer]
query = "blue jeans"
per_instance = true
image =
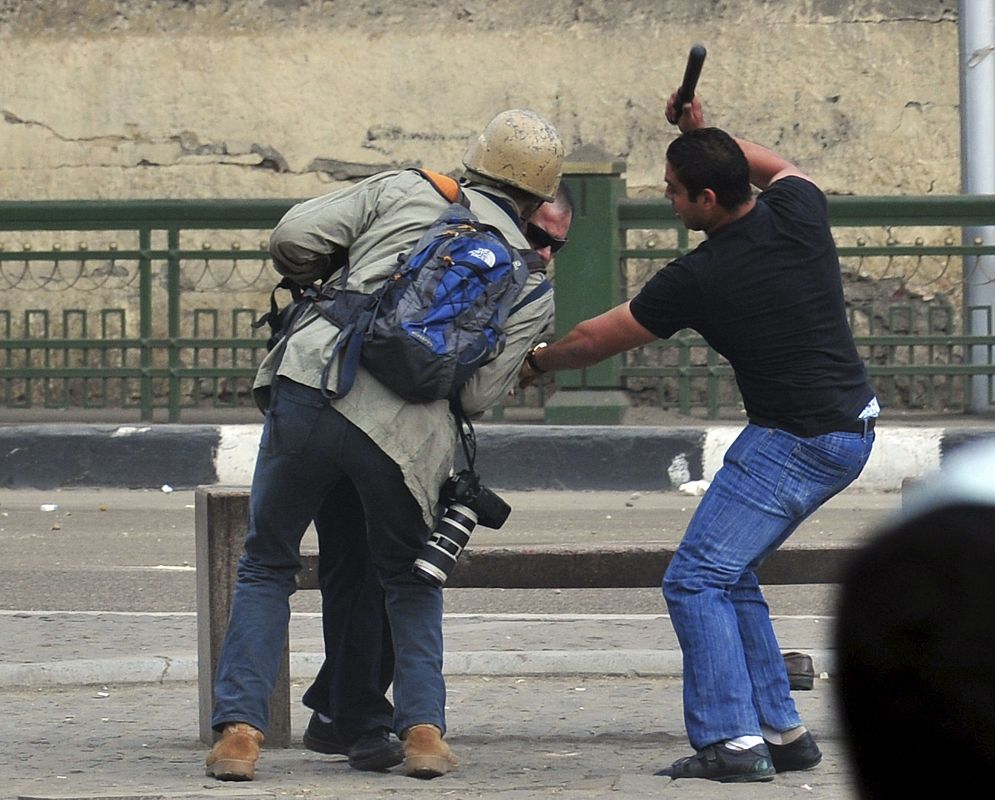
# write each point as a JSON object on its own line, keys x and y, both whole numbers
{"x": 771, "y": 480}
{"x": 307, "y": 450}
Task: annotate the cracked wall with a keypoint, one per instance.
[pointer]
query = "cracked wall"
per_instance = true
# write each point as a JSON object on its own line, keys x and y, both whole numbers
{"x": 205, "y": 98}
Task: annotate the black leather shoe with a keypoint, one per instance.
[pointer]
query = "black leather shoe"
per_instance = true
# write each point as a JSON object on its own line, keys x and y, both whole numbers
{"x": 720, "y": 763}
{"x": 802, "y": 753}
{"x": 375, "y": 751}
{"x": 321, "y": 737}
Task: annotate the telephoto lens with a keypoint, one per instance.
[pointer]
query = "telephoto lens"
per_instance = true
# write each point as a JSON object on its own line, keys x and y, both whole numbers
{"x": 444, "y": 546}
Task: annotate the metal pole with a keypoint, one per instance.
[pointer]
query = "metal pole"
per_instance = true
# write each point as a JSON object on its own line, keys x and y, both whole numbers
{"x": 977, "y": 111}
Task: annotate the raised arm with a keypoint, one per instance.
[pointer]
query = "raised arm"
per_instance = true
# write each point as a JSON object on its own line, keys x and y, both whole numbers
{"x": 766, "y": 166}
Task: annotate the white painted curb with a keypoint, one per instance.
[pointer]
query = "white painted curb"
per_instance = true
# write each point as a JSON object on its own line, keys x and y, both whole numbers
{"x": 237, "y": 451}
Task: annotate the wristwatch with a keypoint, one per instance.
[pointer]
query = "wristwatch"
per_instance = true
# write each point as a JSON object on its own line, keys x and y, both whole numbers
{"x": 530, "y": 359}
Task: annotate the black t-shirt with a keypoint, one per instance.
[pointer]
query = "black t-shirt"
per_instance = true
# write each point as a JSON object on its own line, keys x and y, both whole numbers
{"x": 765, "y": 292}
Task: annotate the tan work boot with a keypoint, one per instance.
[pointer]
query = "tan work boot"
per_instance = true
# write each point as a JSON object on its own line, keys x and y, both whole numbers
{"x": 234, "y": 755}
{"x": 426, "y": 755}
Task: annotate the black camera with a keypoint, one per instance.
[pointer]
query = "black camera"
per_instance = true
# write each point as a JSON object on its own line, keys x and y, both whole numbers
{"x": 467, "y": 504}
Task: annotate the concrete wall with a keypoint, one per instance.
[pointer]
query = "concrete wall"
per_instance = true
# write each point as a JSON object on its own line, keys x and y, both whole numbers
{"x": 264, "y": 98}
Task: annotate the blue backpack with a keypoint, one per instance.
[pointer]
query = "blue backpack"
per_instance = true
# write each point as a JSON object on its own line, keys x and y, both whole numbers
{"x": 439, "y": 317}
{"x": 442, "y": 314}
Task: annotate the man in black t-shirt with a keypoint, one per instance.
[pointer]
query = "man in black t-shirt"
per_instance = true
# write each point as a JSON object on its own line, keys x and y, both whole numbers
{"x": 764, "y": 290}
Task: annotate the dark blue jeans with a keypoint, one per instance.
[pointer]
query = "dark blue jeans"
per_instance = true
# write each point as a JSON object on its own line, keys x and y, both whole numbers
{"x": 734, "y": 674}
{"x": 307, "y": 450}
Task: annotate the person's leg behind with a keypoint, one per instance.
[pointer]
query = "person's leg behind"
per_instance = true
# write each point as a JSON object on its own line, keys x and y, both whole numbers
{"x": 352, "y": 713}
{"x": 397, "y": 533}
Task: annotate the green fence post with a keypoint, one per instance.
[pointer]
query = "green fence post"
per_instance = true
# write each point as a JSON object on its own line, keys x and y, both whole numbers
{"x": 145, "y": 325}
{"x": 587, "y": 283}
{"x": 173, "y": 322}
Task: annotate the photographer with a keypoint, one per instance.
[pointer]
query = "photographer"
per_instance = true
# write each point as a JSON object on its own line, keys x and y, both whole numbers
{"x": 348, "y": 694}
{"x": 380, "y": 459}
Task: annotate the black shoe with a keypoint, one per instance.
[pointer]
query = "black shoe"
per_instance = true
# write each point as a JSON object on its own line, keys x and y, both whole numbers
{"x": 375, "y": 751}
{"x": 801, "y": 670}
{"x": 321, "y": 737}
{"x": 720, "y": 763}
{"x": 802, "y": 753}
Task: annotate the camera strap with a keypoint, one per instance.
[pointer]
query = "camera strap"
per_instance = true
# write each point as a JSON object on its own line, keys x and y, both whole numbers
{"x": 468, "y": 438}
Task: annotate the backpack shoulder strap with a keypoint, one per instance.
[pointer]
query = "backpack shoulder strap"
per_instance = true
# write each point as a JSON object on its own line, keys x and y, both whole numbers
{"x": 448, "y": 187}
{"x": 544, "y": 287}
{"x": 534, "y": 261}
{"x": 273, "y": 315}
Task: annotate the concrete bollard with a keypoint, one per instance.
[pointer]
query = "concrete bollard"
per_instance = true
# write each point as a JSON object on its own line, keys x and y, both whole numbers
{"x": 221, "y": 520}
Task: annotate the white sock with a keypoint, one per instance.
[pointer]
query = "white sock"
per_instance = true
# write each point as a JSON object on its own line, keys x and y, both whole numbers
{"x": 782, "y": 737}
{"x": 744, "y": 742}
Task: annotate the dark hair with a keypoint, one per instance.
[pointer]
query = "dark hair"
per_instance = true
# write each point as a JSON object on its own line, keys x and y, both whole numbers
{"x": 916, "y": 653}
{"x": 709, "y": 158}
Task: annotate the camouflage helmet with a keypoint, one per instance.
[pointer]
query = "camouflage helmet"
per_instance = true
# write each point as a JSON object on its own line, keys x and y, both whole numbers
{"x": 521, "y": 149}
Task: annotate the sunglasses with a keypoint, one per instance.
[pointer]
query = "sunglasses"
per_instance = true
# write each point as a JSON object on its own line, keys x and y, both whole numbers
{"x": 539, "y": 239}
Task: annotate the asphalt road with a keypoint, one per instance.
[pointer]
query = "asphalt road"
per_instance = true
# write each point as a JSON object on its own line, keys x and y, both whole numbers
{"x": 133, "y": 550}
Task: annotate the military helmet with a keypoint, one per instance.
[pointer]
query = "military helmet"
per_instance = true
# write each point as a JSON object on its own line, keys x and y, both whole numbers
{"x": 521, "y": 149}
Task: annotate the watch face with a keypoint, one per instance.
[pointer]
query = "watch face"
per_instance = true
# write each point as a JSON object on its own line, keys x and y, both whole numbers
{"x": 530, "y": 359}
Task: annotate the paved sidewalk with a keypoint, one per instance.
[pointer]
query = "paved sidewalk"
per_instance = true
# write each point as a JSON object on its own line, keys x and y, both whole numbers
{"x": 581, "y": 707}
{"x": 517, "y": 737}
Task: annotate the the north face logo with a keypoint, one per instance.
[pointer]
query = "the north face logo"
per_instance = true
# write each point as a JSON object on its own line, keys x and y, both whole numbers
{"x": 482, "y": 254}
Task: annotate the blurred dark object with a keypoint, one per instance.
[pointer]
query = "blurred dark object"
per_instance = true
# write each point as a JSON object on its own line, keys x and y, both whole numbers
{"x": 801, "y": 670}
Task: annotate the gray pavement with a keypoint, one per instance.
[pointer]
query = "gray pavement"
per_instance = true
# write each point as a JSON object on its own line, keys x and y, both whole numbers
{"x": 525, "y": 722}
{"x": 517, "y": 737}
{"x": 569, "y": 693}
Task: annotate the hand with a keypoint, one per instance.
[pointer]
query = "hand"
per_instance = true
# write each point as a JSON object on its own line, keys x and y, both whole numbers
{"x": 690, "y": 118}
{"x": 526, "y": 375}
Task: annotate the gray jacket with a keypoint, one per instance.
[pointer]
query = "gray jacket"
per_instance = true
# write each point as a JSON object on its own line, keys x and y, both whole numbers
{"x": 376, "y": 220}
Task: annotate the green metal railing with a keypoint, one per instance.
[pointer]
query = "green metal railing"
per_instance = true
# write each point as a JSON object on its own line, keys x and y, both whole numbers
{"x": 148, "y": 346}
{"x": 147, "y": 305}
